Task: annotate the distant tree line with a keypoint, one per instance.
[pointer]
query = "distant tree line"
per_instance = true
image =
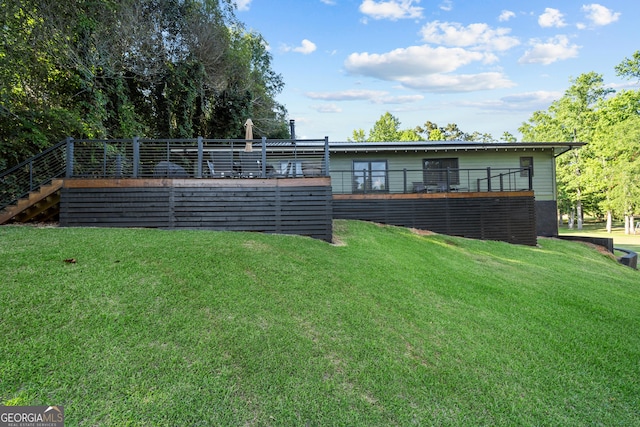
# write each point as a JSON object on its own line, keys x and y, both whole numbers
{"x": 387, "y": 128}
{"x": 602, "y": 178}
{"x": 112, "y": 69}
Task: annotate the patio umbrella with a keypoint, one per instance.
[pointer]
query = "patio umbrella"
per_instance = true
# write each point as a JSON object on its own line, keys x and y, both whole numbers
{"x": 248, "y": 128}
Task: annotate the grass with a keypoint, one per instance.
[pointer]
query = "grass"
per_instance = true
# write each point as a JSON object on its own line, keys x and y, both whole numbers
{"x": 597, "y": 229}
{"x": 189, "y": 328}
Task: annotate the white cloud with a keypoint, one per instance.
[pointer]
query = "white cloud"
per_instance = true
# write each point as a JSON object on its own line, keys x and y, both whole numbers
{"x": 347, "y": 95}
{"x": 447, "y": 5}
{"x": 506, "y": 15}
{"x": 327, "y": 108}
{"x": 373, "y": 96}
{"x": 306, "y": 47}
{"x": 329, "y": 2}
{"x": 243, "y": 4}
{"x": 475, "y": 36}
{"x": 600, "y": 15}
{"x": 551, "y": 18}
{"x": 554, "y": 49}
{"x": 451, "y": 83}
{"x": 391, "y": 9}
{"x": 526, "y": 101}
{"x": 427, "y": 68}
{"x": 401, "y": 99}
{"x": 414, "y": 60}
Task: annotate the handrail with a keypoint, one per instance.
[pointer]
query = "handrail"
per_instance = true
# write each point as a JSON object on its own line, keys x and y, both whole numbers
{"x": 500, "y": 176}
{"x": 433, "y": 180}
{"x": 19, "y": 180}
{"x": 197, "y": 158}
{"x": 143, "y": 158}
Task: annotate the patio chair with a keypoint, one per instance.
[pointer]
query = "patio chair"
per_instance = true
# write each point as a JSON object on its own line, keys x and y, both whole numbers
{"x": 250, "y": 164}
{"x": 419, "y": 187}
{"x": 212, "y": 170}
{"x": 222, "y": 164}
{"x": 169, "y": 170}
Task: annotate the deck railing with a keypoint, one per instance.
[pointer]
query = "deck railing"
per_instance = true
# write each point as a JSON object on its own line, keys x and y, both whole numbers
{"x": 166, "y": 158}
{"x": 431, "y": 180}
{"x": 197, "y": 158}
{"x": 20, "y": 180}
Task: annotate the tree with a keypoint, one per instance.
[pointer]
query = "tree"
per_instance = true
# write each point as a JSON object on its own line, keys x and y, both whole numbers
{"x": 573, "y": 117}
{"x": 359, "y": 135}
{"x": 154, "y": 68}
{"x": 629, "y": 67}
{"x": 385, "y": 129}
{"x": 508, "y": 137}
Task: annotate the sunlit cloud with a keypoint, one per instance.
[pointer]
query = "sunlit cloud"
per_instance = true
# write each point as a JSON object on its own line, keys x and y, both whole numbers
{"x": 525, "y": 101}
{"x": 306, "y": 47}
{"x": 474, "y": 36}
{"x": 600, "y": 15}
{"x": 454, "y": 83}
{"x": 506, "y": 15}
{"x": 551, "y": 18}
{"x": 372, "y": 96}
{"x": 411, "y": 61}
{"x": 547, "y": 52}
{"x": 391, "y": 9}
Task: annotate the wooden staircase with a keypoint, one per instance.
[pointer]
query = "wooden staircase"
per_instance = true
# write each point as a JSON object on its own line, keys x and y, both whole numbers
{"x": 40, "y": 205}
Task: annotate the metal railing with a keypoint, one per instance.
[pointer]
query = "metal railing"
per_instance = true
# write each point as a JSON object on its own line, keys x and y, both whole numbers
{"x": 162, "y": 158}
{"x": 20, "y": 180}
{"x": 431, "y": 181}
{"x": 197, "y": 158}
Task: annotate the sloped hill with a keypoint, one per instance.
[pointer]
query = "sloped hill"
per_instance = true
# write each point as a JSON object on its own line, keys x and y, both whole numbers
{"x": 389, "y": 327}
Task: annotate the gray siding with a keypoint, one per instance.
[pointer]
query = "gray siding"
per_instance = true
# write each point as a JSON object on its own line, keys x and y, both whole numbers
{"x": 543, "y": 162}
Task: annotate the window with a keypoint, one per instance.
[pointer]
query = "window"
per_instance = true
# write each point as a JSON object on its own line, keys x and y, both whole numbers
{"x": 526, "y": 164}
{"x": 369, "y": 176}
{"x": 436, "y": 170}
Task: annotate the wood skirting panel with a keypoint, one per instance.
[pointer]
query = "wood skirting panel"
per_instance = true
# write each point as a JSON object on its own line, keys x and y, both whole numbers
{"x": 302, "y": 206}
{"x": 510, "y": 219}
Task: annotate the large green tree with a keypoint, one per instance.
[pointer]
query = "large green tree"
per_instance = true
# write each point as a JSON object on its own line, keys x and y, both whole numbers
{"x": 601, "y": 176}
{"x": 573, "y": 118}
{"x": 154, "y": 68}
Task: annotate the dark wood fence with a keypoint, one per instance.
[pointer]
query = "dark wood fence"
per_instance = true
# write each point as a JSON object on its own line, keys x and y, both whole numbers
{"x": 288, "y": 206}
{"x": 508, "y": 217}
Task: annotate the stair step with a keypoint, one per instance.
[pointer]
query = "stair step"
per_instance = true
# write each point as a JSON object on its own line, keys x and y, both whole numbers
{"x": 30, "y": 201}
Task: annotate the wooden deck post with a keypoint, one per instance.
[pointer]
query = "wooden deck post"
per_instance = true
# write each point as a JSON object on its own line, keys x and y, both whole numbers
{"x": 136, "y": 156}
{"x": 200, "y": 158}
{"x": 69, "y": 172}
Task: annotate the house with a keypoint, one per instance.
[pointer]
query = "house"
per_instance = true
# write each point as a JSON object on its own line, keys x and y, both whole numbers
{"x": 502, "y": 191}
{"x": 497, "y": 191}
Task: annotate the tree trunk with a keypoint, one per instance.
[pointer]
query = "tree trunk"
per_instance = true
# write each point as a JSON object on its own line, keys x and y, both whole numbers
{"x": 626, "y": 224}
{"x": 632, "y": 224}
{"x": 609, "y": 221}
{"x": 579, "y": 214}
{"x": 572, "y": 218}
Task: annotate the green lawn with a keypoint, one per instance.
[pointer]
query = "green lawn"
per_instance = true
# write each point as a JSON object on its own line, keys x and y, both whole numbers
{"x": 594, "y": 229}
{"x": 187, "y": 328}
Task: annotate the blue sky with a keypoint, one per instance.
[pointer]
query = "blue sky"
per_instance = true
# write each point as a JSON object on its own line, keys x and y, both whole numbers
{"x": 485, "y": 65}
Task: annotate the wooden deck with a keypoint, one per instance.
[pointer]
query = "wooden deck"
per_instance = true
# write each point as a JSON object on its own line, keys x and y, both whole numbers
{"x": 289, "y": 206}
